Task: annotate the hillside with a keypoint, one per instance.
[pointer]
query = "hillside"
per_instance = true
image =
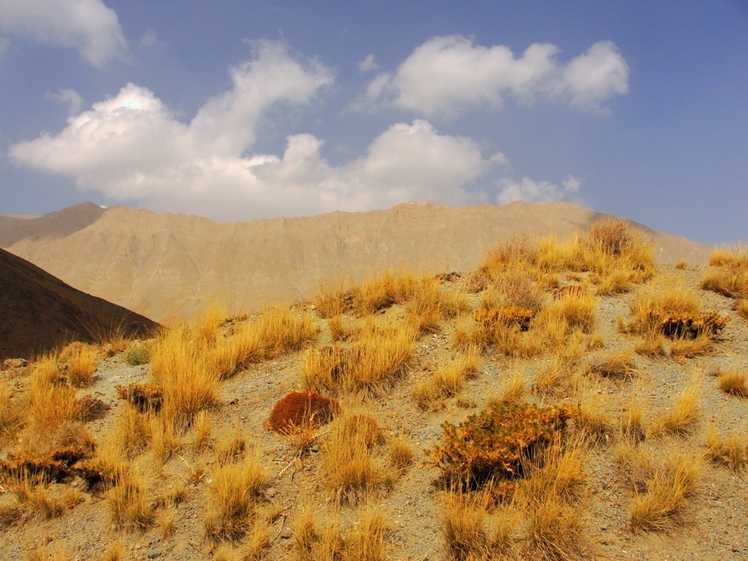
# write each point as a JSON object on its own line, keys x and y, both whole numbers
{"x": 559, "y": 402}
{"x": 167, "y": 266}
{"x": 40, "y": 312}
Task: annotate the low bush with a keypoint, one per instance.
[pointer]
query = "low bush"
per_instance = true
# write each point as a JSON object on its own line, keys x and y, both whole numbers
{"x": 297, "y": 409}
{"x": 496, "y": 443}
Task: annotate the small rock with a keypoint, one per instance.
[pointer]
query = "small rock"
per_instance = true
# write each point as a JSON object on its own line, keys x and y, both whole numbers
{"x": 286, "y": 534}
{"x": 271, "y": 492}
{"x": 153, "y": 554}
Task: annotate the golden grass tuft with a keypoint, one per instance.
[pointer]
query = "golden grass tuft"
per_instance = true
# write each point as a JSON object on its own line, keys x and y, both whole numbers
{"x": 332, "y": 298}
{"x": 660, "y": 505}
{"x": 371, "y": 364}
{"x": 619, "y": 365}
{"x": 12, "y": 413}
{"x": 128, "y": 503}
{"x": 731, "y": 451}
{"x": 80, "y": 362}
{"x": 730, "y": 274}
{"x": 350, "y": 463}
{"x": 683, "y": 415}
{"x": 234, "y": 490}
{"x": 733, "y": 382}
{"x": 448, "y": 381}
{"x": 382, "y": 291}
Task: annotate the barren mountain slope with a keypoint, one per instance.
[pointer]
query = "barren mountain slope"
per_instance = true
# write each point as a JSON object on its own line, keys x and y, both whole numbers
{"x": 40, "y": 312}
{"x": 52, "y": 225}
{"x": 165, "y": 266}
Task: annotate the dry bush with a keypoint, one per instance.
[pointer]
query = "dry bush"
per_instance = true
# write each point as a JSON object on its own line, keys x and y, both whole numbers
{"x": 80, "y": 362}
{"x": 106, "y": 468}
{"x": 332, "y": 298}
{"x": 373, "y": 363}
{"x": 428, "y": 305}
{"x": 51, "y": 404}
{"x": 133, "y": 431}
{"x": 350, "y": 462}
{"x": 509, "y": 316}
{"x": 733, "y": 382}
{"x": 128, "y": 502}
{"x": 570, "y": 313}
{"x": 681, "y": 264}
{"x": 652, "y": 345}
{"x": 555, "y": 532}
{"x": 471, "y": 533}
{"x": 40, "y": 500}
{"x": 518, "y": 253}
{"x": 146, "y": 398}
{"x": 230, "y": 448}
{"x": 164, "y": 439}
{"x": 655, "y": 305}
{"x": 616, "y": 366}
{"x": 495, "y": 443}
{"x": 302, "y": 409}
{"x": 381, "y": 292}
{"x": 731, "y": 451}
{"x": 208, "y": 321}
{"x": 235, "y": 490}
{"x": 689, "y": 348}
{"x": 55, "y": 466}
{"x": 659, "y": 506}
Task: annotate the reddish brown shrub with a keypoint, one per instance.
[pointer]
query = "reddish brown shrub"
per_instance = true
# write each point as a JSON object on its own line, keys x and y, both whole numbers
{"x": 302, "y": 409}
{"x": 690, "y": 326}
{"x": 58, "y": 465}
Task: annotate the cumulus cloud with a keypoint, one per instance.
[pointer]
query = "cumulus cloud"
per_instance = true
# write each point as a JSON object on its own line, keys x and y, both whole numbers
{"x": 368, "y": 64}
{"x": 71, "y": 97}
{"x": 531, "y": 191}
{"x": 450, "y": 74}
{"x": 133, "y": 147}
{"x": 87, "y": 25}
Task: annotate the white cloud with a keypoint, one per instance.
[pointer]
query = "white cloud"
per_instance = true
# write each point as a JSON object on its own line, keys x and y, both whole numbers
{"x": 448, "y": 75}
{"x": 87, "y": 25}
{"x": 531, "y": 191}
{"x": 70, "y": 97}
{"x": 368, "y": 64}
{"x": 133, "y": 147}
{"x": 149, "y": 38}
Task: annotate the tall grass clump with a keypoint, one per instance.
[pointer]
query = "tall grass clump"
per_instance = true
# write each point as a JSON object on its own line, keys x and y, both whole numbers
{"x": 381, "y": 292}
{"x": 79, "y": 361}
{"x": 371, "y": 364}
{"x": 447, "y": 381}
{"x": 235, "y": 490}
{"x": 729, "y": 273}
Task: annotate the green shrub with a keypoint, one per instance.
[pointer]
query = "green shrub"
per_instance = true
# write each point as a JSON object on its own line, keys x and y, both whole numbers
{"x": 137, "y": 353}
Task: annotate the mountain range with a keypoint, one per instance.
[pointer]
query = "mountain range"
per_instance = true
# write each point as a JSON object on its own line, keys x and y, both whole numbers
{"x": 170, "y": 266}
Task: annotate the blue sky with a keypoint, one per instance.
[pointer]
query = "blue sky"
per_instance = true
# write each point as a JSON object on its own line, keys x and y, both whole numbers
{"x": 242, "y": 110}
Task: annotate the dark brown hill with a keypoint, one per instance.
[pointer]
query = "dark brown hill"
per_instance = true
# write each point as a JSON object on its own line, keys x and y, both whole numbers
{"x": 39, "y": 312}
{"x": 53, "y": 225}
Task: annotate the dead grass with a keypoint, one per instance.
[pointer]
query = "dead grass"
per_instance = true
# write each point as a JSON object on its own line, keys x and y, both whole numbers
{"x": 12, "y": 413}
{"x": 619, "y": 365}
{"x": 660, "y": 505}
{"x": 373, "y": 363}
{"x": 80, "y": 362}
{"x": 381, "y": 292}
{"x": 733, "y": 382}
{"x": 682, "y": 416}
{"x": 447, "y": 382}
{"x": 730, "y": 274}
{"x": 332, "y": 298}
{"x": 731, "y": 451}
{"x": 128, "y": 503}
{"x": 351, "y": 466}
{"x": 234, "y": 491}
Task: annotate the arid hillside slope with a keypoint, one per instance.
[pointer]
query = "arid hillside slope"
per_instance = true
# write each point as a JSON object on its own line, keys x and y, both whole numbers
{"x": 40, "y": 312}
{"x": 166, "y": 266}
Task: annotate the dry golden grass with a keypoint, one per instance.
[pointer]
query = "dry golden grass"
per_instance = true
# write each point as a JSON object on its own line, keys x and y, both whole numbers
{"x": 619, "y": 365}
{"x": 380, "y": 292}
{"x": 683, "y": 415}
{"x": 654, "y": 305}
{"x": 703, "y": 344}
{"x": 592, "y": 418}
{"x": 133, "y": 430}
{"x": 40, "y": 500}
{"x": 660, "y": 506}
{"x": 235, "y": 490}
{"x": 733, "y": 382}
{"x": 51, "y": 403}
{"x": 651, "y": 345}
{"x": 400, "y": 452}
{"x": 12, "y": 413}
{"x": 448, "y": 381}
{"x": 332, "y": 298}
{"x": 681, "y": 264}
{"x": 730, "y": 276}
{"x": 128, "y": 503}
{"x": 371, "y": 364}
{"x": 731, "y": 451}
{"x": 631, "y": 421}
{"x": 337, "y": 327}
{"x": 469, "y": 532}
{"x": 80, "y": 362}
{"x": 201, "y": 431}
{"x": 351, "y": 465}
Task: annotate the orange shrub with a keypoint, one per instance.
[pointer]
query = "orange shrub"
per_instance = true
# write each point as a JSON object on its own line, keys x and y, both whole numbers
{"x": 302, "y": 409}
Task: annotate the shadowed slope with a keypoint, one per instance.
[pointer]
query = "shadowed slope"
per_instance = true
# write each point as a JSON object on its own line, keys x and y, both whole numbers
{"x": 40, "y": 312}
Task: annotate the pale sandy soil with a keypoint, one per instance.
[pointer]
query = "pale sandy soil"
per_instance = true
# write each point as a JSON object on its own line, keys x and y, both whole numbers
{"x": 714, "y": 522}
